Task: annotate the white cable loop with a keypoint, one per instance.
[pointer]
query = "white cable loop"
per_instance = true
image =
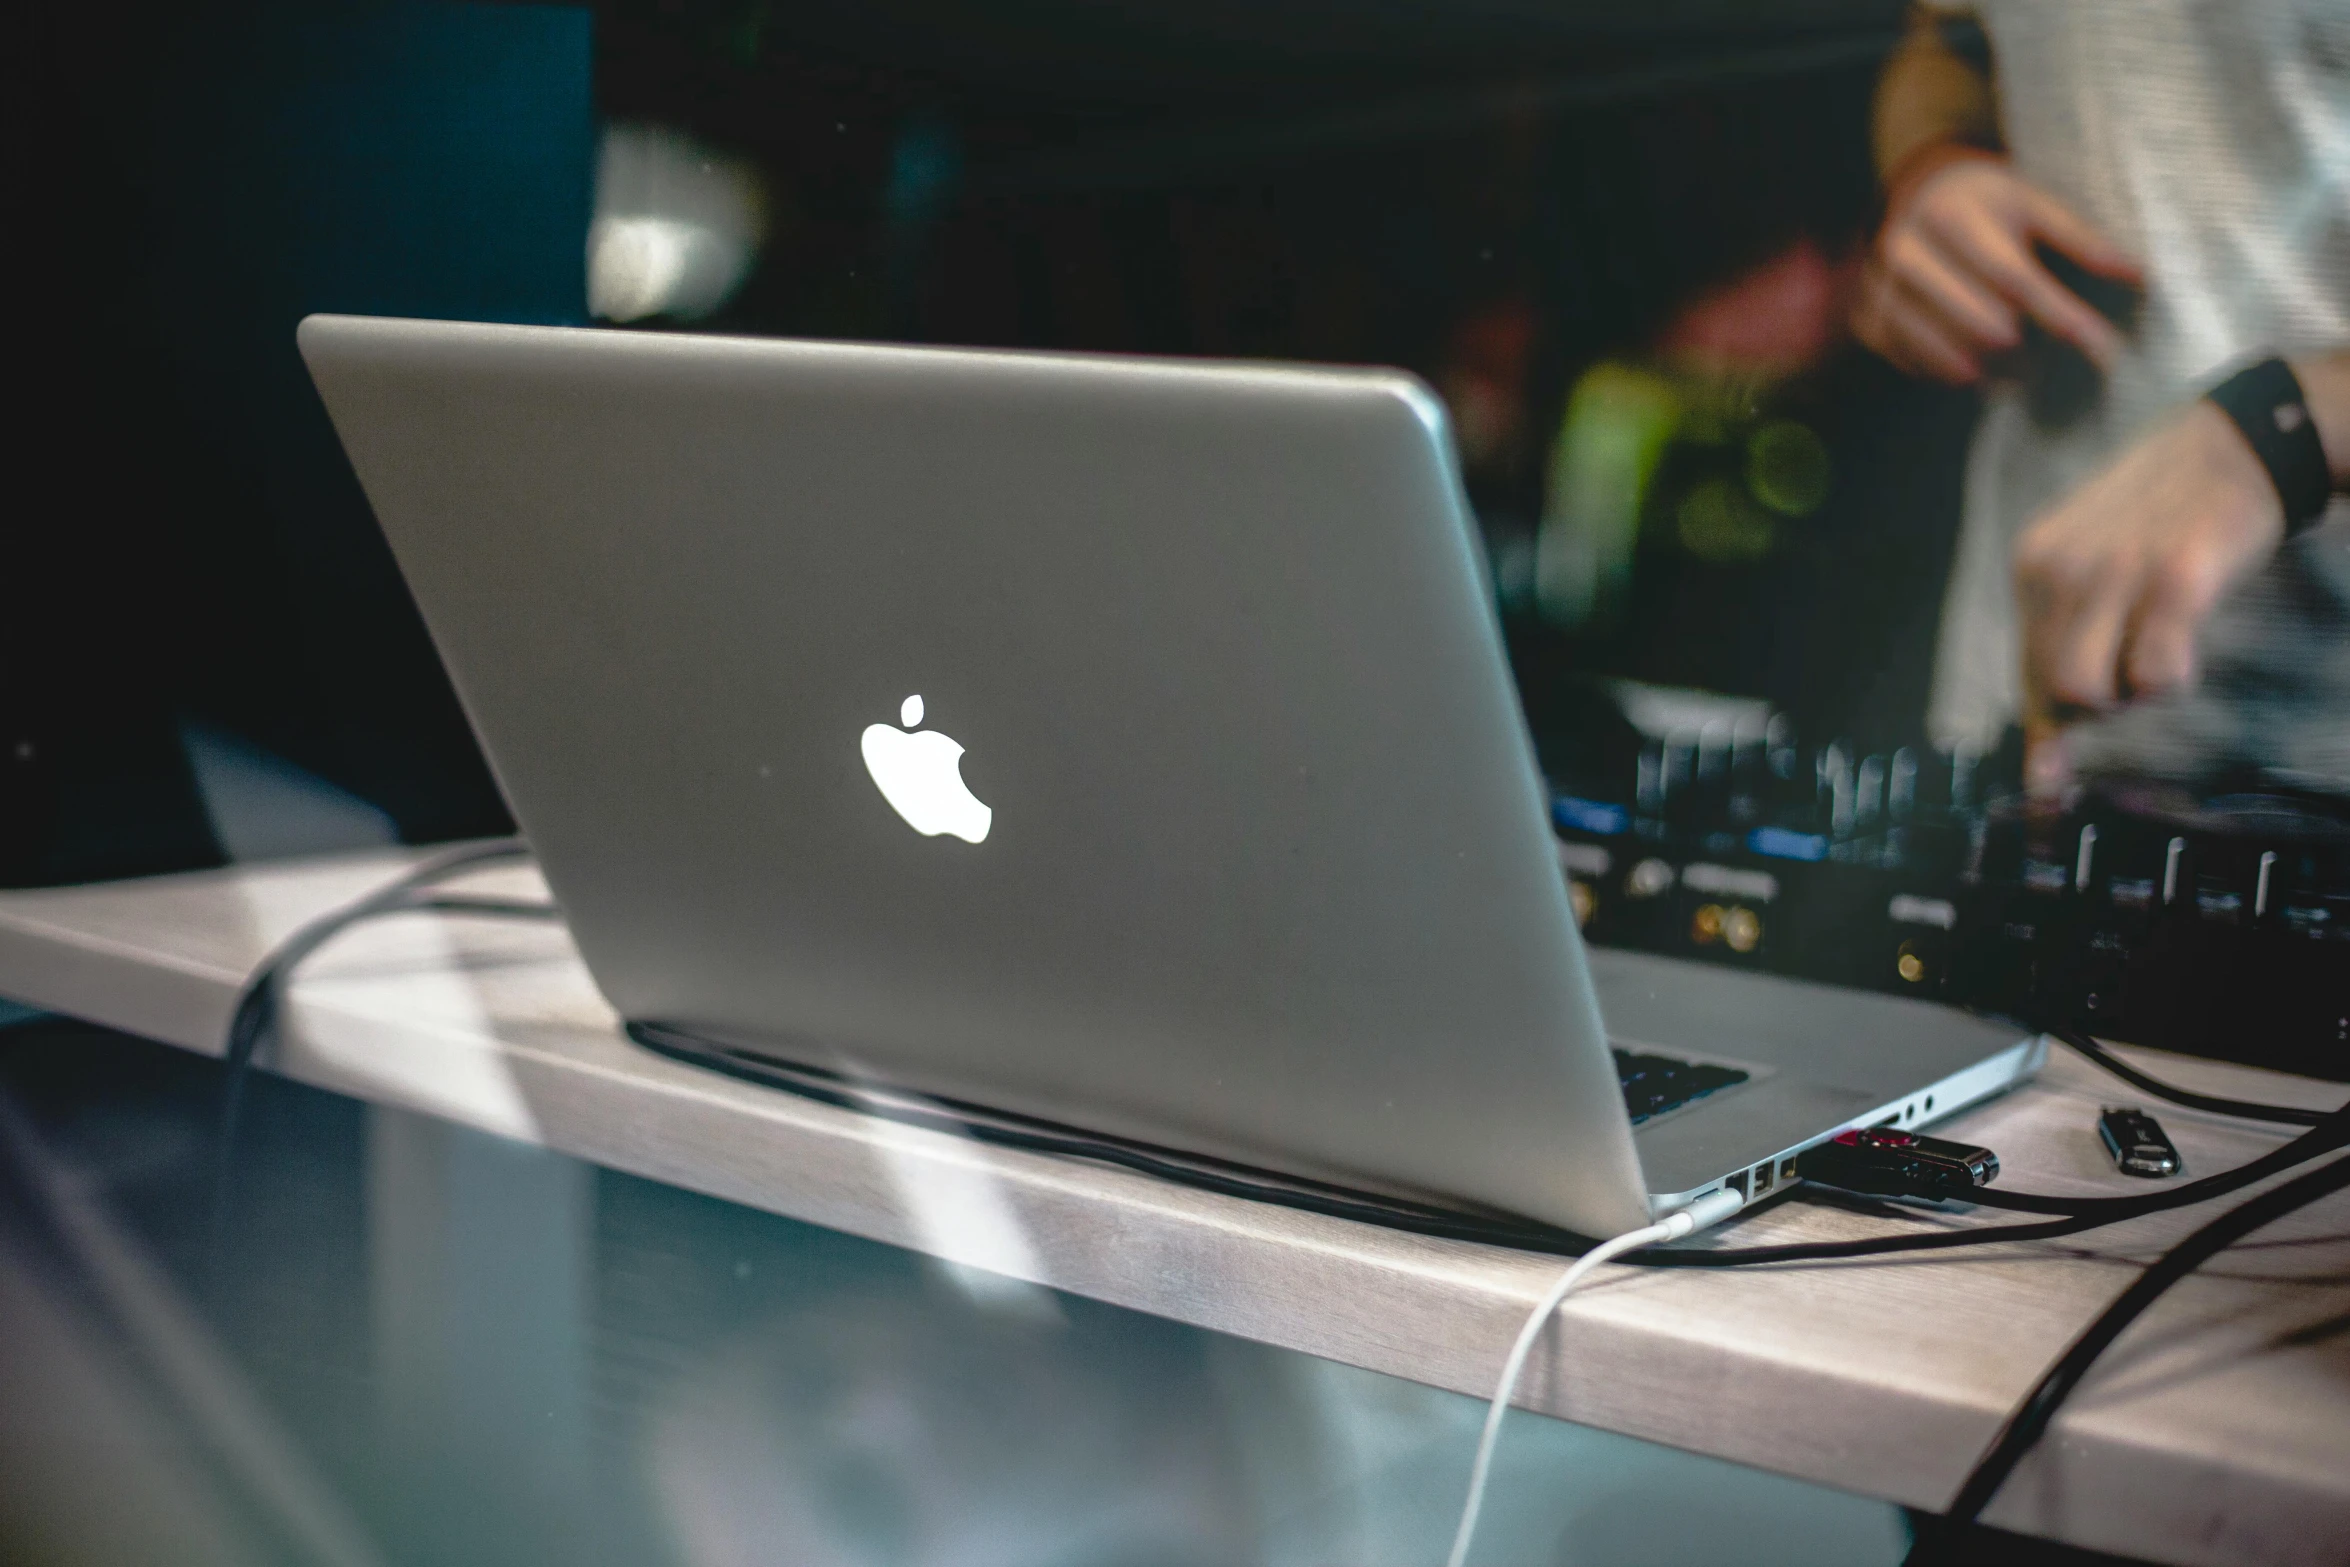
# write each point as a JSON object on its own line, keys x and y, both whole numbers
{"x": 1708, "y": 1210}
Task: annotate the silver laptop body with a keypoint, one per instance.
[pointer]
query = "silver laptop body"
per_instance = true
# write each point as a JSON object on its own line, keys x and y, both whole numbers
{"x": 1215, "y": 824}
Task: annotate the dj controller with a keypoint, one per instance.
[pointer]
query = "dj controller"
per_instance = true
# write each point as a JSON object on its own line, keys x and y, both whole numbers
{"x": 2216, "y": 924}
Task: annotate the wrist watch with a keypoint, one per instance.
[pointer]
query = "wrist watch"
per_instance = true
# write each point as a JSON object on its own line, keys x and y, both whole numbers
{"x": 2266, "y": 402}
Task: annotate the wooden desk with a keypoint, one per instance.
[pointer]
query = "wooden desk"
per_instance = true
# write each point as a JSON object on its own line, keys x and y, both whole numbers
{"x": 2216, "y": 1431}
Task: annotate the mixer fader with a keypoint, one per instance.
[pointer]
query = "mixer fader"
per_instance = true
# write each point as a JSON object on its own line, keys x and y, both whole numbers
{"x": 2215, "y": 922}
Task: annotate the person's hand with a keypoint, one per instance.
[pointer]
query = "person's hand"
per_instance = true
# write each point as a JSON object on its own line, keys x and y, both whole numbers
{"x": 2113, "y": 583}
{"x": 1952, "y": 274}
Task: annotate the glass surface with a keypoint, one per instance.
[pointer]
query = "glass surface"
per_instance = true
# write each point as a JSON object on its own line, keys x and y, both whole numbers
{"x": 398, "y": 1342}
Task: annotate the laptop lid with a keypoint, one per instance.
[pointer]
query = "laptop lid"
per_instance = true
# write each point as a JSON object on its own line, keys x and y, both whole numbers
{"x": 1122, "y": 742}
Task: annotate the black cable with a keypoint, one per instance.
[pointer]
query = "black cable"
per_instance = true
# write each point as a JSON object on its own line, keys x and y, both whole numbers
{"x": 2286, "y": 1114}
{"x": 2315, "y": 1143}
{"x": 2334, "y": 1127}
{"x": 258, "y": 1004}
{"x": 2042, "y": 1202}
{"x": 1003, "y": 1130}
{"x": 2032, "y": 1416}
{"x": 1903, "y": 1170}
{"x": 257, "y": 1007}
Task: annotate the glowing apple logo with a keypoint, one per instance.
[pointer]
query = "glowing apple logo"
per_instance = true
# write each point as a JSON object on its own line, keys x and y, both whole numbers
{"x": 921, "y": 776}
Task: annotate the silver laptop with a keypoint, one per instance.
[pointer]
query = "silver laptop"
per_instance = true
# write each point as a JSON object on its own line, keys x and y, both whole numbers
{"x": 1124, "y": 743}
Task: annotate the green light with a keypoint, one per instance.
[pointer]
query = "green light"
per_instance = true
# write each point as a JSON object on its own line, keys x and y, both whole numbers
{"x": 1787, "y": 467}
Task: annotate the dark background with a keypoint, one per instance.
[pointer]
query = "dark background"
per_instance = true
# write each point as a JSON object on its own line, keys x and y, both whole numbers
{"x": 1500, "y": 189}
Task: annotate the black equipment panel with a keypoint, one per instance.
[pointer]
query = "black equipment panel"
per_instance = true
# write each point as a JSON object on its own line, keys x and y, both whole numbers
{"x": 2215, "y": 924}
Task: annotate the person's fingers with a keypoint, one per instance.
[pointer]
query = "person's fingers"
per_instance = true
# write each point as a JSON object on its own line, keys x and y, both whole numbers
{"x": 2160, "y": 655}
{"x": 2046, "y": 769}
{"x": 2050, "y": 579}
{"x": 1932, "y": 351}
{"x": 2048, "y": 763}
{"x": 2080, "y": 657}
{"x": 2056, "y": 307}
{"x": 1872, "y": 321}
{"x": 1892, "y": 320}
{"x": 2067, "y": 613}
{"x": 2058, "y": 224}
{"x": 1968, "y": 308}
{"x": 2046, "y": 599}
{"x": 2160, "y": 651}
{"x": 2001, "y": 258}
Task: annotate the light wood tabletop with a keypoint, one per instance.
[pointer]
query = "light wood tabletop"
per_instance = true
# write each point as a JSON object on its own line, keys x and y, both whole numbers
{"x": 2216, "y": 1431}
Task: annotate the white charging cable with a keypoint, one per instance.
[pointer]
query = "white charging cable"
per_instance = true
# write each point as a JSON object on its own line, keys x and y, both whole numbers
{"x": 1704, "y": 1213}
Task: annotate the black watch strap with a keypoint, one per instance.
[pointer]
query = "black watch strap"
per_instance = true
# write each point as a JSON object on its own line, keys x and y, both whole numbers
{"x": 2266, "y": 402}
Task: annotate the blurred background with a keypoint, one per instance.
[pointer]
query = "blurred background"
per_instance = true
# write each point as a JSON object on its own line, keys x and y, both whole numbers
{"x": 1622, "y": 242}
{"x": 1619, "y": 241}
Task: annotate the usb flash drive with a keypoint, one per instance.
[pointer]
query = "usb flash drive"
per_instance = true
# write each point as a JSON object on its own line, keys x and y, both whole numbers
{"x": 1877, "y": 1161}
{"x": 2138, "y": 1145}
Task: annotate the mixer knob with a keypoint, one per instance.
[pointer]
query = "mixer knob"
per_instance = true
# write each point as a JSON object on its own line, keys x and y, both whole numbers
{"x": 1901, "y": 785}
{"x": 1833, "y": 789}
{"x": 1648, "y": 879}
{"x": 1868, "y": 794}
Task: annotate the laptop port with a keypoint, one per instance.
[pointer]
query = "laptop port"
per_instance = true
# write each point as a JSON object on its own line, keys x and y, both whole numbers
{"x": 1737, "y": 1183}
{"x": 1762, "y": 1178}
{"x": 1786, "y": 1169}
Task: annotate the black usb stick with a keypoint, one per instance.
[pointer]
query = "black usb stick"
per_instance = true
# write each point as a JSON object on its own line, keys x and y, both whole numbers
{"x": 1878, "y": 1161}
{"x": 2138, "y": 1145}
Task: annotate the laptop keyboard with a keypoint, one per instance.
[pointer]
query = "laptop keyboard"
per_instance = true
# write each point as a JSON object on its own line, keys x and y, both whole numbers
{"x": 1654, "y": 1084}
